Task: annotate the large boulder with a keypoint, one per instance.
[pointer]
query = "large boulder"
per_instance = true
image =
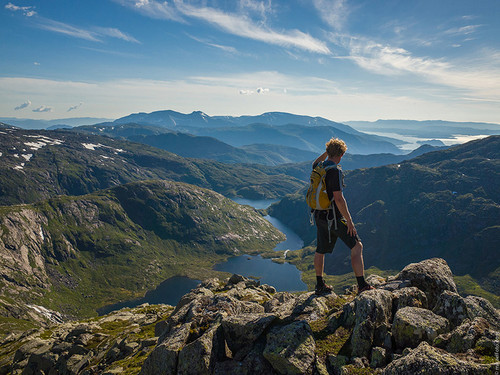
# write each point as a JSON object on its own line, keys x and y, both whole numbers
{"x": 163, "y": 359}
{"x": 242, "y": 330}
{"x": 432, "y": 361}
{"x": 464, "y": 337}
{"x": 432, "y": 276}
{"x": 199, "y": 357}
{"x": 480, "y": 307}
{"x": 413, "y": 325}
{"x": 290, "y": 348}
{"x": 451, "y": 306}
{"x": 409, "y": 297}
{"x": 373, "y": 311}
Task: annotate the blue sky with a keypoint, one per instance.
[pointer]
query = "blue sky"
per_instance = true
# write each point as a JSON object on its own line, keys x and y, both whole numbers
{"x": 340, "y": 59}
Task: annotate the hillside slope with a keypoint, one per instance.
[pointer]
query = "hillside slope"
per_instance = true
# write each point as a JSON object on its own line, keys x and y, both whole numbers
{"x": 443, "y": 203}
{"x": 75, "y": 254}
{"x": 36, "y": 165}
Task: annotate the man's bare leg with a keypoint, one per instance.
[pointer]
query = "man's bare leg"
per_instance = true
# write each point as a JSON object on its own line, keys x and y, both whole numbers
{"x": 357, "y": 259}
{"x": 319, "y": 263}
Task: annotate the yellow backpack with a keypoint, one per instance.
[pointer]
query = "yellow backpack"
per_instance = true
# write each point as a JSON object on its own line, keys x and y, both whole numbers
{"x": 316, "y": 195}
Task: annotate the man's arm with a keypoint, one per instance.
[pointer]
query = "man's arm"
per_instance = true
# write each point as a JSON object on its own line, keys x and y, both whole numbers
{"x": 322, "y": 157}
{"x": 342, "y": 206}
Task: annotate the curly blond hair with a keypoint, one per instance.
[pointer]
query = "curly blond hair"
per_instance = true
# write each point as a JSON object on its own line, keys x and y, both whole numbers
{"x": 335, "y": 147}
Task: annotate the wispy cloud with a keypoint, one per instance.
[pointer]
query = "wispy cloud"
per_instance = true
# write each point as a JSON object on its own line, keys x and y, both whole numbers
{"x": 481, "y": 78}
{"x": 43, "y": 109}
{"x": 153, "y": 9}
{"x": 239, "y": 24}
{"x": 22, "y": 106}
{"x": 27, "y": 11}
{"x": 115, "y": 33}
{"x": 464, "y": 30}
{"x": 72, "y": 108}
{"x": 63, "y": 28}
{"x": 227, "y": 49}
{"x": 244, "y": 27}
{"x": 333, "y": 12}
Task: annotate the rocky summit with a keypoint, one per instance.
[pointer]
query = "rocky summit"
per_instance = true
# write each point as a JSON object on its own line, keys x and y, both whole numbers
{"x": 412, "y": 323}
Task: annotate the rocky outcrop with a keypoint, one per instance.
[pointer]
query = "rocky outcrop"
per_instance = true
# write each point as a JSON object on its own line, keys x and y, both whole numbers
{"x": 432, "y": 276}
{"x": 238, "y": 326}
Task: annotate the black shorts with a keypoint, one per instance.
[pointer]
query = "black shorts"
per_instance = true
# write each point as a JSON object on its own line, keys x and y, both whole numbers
{"x": 325, "y": 242}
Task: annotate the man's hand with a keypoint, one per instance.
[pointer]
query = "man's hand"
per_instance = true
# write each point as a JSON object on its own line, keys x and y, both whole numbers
{"x": 351, "y": 230}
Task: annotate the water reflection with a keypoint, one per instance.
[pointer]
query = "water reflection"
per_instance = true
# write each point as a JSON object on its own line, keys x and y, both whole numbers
{"x": 170, "y": 292}
{"x": 284, "y": 277}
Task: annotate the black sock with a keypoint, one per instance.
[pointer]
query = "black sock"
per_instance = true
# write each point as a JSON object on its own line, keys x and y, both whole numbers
{"x": 361, "y": 282}
{"x": 319, "y": 280}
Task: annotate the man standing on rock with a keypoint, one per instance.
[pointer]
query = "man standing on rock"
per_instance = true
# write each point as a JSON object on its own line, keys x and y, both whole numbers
{"x": 336, "y": 222}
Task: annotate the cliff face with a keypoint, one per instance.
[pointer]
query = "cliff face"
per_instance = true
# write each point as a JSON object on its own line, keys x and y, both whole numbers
{"x": 414, "y": 322}
{"x": 73, "y": 254}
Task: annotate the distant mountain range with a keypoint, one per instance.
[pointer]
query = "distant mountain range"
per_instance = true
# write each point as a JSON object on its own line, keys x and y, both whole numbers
{"x": 427, "y": 129}
{"x": 44, "y": 124}
{"x": 440, "y": 204}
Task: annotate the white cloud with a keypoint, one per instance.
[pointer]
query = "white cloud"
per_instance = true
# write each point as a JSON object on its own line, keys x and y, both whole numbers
{"x": 464, "y": 30}
{"x": 36, "y": 63}
{"x": 115, "y": 33}
{"x": 480, "y": 77}
{"x": 333, "y": 12}
{"x": 94, "y": 34}
{"x": 43, "y": 109}
{"x": 244, "y": 27}
{"x": 22, "y": 106}
{"x": 153, "y": 9}
{"x": 72, "y": 108}
{"x": 259, "y": 90}
{"x": 63, "y": 28}
{"x": 215, "y": 95}
{"x": 236, "y": 24}
{"x": 27, "y": 11}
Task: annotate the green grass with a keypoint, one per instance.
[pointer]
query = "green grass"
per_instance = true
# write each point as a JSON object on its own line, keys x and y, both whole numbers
{"x": 467, "y": 285}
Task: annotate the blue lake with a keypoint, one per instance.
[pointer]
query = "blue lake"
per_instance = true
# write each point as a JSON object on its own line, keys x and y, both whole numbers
{"x": 284, "y": 277}
{"x": 170, "y": 292}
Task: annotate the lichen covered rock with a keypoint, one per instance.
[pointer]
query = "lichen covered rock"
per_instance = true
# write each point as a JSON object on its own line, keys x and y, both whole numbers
{"x": 290, "y": 349}
{"x": 431, "y": 361}
{"x": 413, "y": 325}
{"x": 432, "y": 276}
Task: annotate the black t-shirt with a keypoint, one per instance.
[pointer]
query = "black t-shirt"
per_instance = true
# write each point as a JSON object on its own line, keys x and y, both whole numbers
{"x": 334, "y": 180}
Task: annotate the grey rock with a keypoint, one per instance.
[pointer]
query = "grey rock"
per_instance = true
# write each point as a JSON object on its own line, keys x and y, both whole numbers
{"x": 373, "y": 309}
{"x": 432, "y": 276}
{"x": 336, "y": 362}
{"x": 432, "y": 361}
{"x": 452, "y": 307}
{"x": 253, "y": 363}
{"x": 463, "y": 337}
{"x": 413, "y": 324}
{"x": 480, "y": 307}
{"x": 392, "y": 285}
{"x": 378, "y": 357}
{"x": 199, "y": 357}
{"x": 290, "y": 349}
{"x": 242, "y": 330}
{"x": 409, "y": 297}
{"x": 163, "y": 359}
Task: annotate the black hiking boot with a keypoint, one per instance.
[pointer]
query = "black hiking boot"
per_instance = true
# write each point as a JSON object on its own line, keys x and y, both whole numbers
{"x": 323, "y": 289}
